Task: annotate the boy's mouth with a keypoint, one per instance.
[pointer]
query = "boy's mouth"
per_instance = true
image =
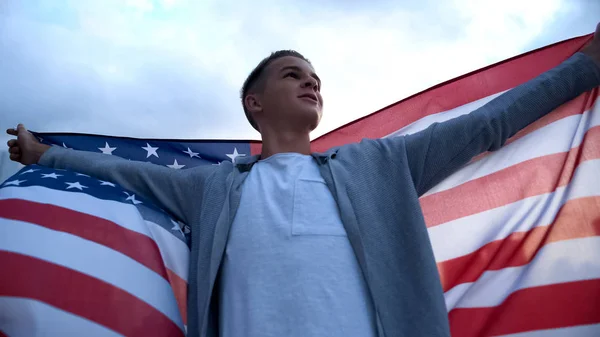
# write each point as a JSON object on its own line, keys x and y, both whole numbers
{"x": 311, "y": 97}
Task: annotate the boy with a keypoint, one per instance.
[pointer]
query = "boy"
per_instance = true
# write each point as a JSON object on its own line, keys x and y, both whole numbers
{"x": 294, "y": 243}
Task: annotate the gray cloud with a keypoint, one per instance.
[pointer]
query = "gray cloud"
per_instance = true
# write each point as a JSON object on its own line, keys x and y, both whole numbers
{"x": 579, "y": 17}
{"x": 106, "y": 67}
{"x": 51, "y": 82}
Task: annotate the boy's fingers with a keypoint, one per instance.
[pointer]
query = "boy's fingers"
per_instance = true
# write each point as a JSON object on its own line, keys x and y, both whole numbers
{"x": 12, "y": 132}
{"x": 11, "y": 143}
{"x": 14, "y": 150}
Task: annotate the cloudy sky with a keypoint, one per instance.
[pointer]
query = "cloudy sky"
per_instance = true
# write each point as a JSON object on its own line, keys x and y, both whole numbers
{"x": 173, "y": 68}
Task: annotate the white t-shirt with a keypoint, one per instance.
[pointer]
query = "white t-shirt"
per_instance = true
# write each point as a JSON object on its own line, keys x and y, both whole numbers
{"x": 289, "y": 269}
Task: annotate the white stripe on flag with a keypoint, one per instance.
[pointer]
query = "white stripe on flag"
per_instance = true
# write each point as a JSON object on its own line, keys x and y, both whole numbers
{"x": 122, "y": 214}
{"x": 175, "y": 253}
{"x": 558, "y": 262}
{"x": 475, "y": 231}
{"x": 23, "y": 317}
{"x": 92, "y": 259}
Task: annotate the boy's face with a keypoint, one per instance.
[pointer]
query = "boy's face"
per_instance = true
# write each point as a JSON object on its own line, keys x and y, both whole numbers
{"x": 291, "y": 93}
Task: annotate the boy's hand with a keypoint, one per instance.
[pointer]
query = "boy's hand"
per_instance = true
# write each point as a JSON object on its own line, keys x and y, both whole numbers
{"x": 592, "y": 49}
{"x": 25, "y": 149}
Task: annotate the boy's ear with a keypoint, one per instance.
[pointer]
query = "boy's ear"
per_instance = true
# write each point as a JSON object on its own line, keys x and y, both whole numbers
{"x": 253, "y": 103}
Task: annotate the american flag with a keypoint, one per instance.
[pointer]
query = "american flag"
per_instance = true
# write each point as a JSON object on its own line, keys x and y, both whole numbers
{"x": 83, "y": 257}
{"x": 514, "y": 232}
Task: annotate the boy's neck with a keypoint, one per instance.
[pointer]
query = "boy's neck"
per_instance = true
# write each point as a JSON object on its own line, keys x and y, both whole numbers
{"x": 284, "y": 142}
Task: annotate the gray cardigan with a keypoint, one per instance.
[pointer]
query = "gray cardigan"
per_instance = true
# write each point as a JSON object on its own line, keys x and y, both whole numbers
{"x": 376, "y": 184}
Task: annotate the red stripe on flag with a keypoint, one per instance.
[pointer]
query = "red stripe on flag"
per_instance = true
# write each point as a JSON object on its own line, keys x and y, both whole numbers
{"x": 578, "y": 218}
{"x": 133, "y": 244}
{"x": 452, "y": 94}
{"x": 82, "y": 295}
{"x": 528, "y": 178}
{"x": 179, "y": 286}
{"x": 537, "y": 308}
{"x": 255, "y": 147}
{"x": 2, "y": 334}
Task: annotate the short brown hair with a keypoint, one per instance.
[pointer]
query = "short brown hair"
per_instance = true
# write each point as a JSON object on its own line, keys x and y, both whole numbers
{"x": 255, "y": 77}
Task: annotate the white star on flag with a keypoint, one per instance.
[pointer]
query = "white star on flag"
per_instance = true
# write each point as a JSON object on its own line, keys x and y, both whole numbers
{"x": 51, "y": 175}
{"x": 132, "y": 198}
{"x": 102, "y": 182}
{"x": 175, "y": 165}
{"x": 234, "y": 155}
{"x": 29, "y": 171}
{"x": 107, "y": 149}
{"x": 191, "y": 153}
{"x": 65, "y": 146}
{"x": 176, "y": 227}
{"x": 82, "y": 175}
{"x": 76, "y": 185}
{"x": 151, "y": 150}
{"x": 14, "y": 182}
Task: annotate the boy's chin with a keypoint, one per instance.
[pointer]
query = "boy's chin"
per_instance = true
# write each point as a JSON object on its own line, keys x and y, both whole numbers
{"x": 311, "y": 119}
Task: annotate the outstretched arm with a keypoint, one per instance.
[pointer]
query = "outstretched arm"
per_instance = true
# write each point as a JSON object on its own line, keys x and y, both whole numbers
{"x": 438, "y": 151}
{"x": 177, "y": 191}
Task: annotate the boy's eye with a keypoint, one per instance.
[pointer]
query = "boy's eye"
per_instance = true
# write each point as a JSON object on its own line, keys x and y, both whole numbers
{"x": 291, "y": 74}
